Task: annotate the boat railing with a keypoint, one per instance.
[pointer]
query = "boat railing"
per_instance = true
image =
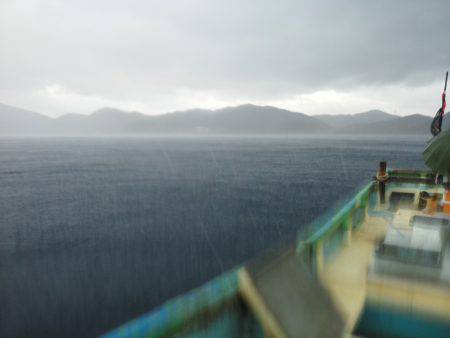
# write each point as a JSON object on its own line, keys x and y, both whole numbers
{"x": 405, "y": 174}
{"x": 320, "y": 246}
{"x": 205, "y": 304}
{"x": 217, "y": 305}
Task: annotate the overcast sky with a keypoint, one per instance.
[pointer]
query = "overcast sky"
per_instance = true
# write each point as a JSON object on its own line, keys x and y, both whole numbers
{"x": 315, "y": 57}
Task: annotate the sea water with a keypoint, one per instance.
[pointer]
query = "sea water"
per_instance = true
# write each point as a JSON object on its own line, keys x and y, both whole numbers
{"x": 96, "y": 231}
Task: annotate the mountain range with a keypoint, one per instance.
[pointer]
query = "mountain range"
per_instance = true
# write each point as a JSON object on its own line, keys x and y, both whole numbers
{"x": 243, "y": 119}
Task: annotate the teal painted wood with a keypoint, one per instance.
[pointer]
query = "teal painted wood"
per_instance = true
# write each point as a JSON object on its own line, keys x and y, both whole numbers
{"x": 330, "y": 236}
{"x": 342, "y": 215}
{"x": 233, "y": 321}
{"x": 331, "y": 233}
{"x": 176, "y": 313}
{"x": 187, "y": 316}
{"x": 411, "y": 174}
{"x": 173, "y": 315}
{"x": 383, "y": 322}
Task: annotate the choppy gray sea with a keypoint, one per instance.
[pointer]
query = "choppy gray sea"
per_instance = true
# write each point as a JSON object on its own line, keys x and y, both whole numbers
{"x": 96, "y": 231}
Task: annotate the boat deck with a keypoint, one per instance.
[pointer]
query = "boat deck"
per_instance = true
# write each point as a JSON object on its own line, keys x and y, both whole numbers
{"x": 383, "y": 262}
{"x": 345, "y": 274}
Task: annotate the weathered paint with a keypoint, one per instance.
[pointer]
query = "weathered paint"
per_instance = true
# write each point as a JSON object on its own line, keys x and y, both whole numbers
{"x": 173, "y": 315}
{"x": 268, "y": 321}
{"x": 411, "y": 174}
{"x": 388, "y": 322}
{"x": 183, "y": 312}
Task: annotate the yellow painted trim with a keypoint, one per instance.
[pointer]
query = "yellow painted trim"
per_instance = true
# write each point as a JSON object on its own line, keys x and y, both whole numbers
{"x": 259, "y": 307}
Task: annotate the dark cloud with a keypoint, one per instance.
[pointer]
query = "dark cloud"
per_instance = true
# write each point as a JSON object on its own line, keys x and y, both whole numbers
{"x": 148, "y": 51}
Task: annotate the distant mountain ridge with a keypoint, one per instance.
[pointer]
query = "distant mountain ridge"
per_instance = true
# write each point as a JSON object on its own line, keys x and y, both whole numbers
{"x": 243, "y": 119}
{"x": 21, "y": 121}
{"x": 411, "y": 124}
{"x": 371, "y": 116}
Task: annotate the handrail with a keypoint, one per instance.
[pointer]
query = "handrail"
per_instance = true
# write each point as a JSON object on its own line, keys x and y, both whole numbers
{"x": 341, "y": 215}
{"x": 411, "y": 174}
{"x": 172, "y": 315}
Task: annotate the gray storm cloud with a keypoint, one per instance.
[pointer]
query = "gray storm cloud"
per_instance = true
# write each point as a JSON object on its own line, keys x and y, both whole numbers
{"x": 61, "y": 56}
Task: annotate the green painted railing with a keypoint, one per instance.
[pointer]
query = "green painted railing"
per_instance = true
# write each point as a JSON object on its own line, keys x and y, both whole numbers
{"x": 215, "y": 308}
{"x": 319, "y": 246}
{"x": 172, "y": 316}
{"x": 411, "y": 174}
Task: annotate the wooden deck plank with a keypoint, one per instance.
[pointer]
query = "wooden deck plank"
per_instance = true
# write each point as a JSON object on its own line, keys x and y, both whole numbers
{"x": 345, "y": 275}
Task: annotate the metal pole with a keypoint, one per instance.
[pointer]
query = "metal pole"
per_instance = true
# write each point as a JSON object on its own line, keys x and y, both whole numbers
{"x": 381, "y": 182}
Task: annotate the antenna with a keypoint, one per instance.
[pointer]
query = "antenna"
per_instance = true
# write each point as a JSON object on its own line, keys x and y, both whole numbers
{"x": 446, "y": 78}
